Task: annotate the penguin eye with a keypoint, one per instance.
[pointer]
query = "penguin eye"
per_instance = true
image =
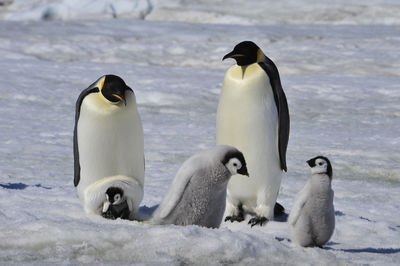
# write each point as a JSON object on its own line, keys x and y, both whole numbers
{"x": 320, "y": 163}
{"x": 235, "y": 163}
{"x": 117, "y": 197}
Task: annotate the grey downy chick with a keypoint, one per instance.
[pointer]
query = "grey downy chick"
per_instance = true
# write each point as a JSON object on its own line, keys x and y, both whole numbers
{"x": 197, "y": 194}
{"x": 312, "y": 218}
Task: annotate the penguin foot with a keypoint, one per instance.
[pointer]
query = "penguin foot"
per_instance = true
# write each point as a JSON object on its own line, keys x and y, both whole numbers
{"x": 279, "y": 210}
{"x": 258, "y": 220}
{"x": 108, "y": 215}
{"x": 235, "y": 218}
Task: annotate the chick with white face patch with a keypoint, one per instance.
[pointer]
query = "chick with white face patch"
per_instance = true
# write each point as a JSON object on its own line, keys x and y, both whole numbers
{"x": 312, "y": 218}
{"x": 253, "y": 116}
{"x": 197, "y": 194}
{"x": 108, "y": 144}
{"x": 115, "y": 205}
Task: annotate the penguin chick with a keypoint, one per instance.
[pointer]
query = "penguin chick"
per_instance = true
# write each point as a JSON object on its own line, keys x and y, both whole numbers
{"x": 197, "y": 194}
{"x": 115, "y": 205}
{"x": 312, "y": 218}
{"x": 253, "y": 116}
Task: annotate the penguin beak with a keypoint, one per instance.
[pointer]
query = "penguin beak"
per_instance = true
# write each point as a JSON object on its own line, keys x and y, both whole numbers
{"x": 233, "y": 55}
{"x": 106, "y": 205}
{"x": 121, "y": 98}
{"x": 243, "y": 171}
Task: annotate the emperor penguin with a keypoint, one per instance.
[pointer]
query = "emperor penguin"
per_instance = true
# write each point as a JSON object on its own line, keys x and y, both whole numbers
{"x": 108, "y": 144}
{"x": 312, "y": 218}
{"x": 253, "y": 116}
{"x": 197, "y": 194}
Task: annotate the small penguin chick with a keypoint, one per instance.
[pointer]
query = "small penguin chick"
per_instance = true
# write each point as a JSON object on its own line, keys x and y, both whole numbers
{"x": 197, "y": 194}
{"x": 115, "y": 205}
{"x": 312, "y": 218}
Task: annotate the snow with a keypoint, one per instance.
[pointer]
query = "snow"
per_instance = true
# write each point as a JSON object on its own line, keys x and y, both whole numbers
{"x": 340, "y": 72}
{"x": 74, "y": 9}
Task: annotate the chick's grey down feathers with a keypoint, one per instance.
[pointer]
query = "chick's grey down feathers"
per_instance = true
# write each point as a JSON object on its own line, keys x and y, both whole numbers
{"x": 312, "y": 218}
{"x": 197, "y": 194}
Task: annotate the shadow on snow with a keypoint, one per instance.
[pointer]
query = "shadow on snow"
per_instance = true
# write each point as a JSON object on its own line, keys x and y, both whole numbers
{"x": 21, "y": 186}
{"x": 373, "y": 250}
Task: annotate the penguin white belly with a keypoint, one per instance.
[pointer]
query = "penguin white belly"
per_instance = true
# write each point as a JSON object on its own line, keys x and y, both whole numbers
{"x": 110, "y": 141}
{"x": 247, "y": 119}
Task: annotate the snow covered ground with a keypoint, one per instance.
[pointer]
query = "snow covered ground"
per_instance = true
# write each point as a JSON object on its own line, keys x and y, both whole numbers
{"x": 340, "y": 69}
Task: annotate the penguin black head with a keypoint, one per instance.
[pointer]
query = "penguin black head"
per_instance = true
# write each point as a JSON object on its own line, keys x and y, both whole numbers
{"x": 235, "y": 162}
{"x": 114, "y": 195}
{"x": 113, "y": 88}
{"x": 320, "y": 165}
{"x": 245, "y": 53}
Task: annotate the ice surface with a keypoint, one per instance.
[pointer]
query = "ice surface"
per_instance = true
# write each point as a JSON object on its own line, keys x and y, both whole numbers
{"x": 74, "y": 9}
{"x": 252, "y": 12}
{"x": 341, "y": 81}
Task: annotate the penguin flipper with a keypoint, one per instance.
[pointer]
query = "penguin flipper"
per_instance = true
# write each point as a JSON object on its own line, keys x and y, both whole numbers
{"x": 173, "y": 196}
{"x": 84, "y": 93}
{"x": 176, "y": 189}
{"x": 299, "y": 202}
{"x": 282, "y": 106}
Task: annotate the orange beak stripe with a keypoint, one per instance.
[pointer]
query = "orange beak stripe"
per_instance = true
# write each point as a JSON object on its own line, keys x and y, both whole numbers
{"x": 237, "y": 55}
{"x": 117, "y": 96}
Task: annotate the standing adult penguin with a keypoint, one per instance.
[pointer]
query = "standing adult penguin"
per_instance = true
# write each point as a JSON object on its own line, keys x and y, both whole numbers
{"x": 108, "y": 144}
{"x": 312, "y": 218}
{"x": 253, "y": 116}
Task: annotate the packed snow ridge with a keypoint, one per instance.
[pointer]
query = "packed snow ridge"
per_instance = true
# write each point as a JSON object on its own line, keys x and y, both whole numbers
{"x": 76, "y": 9}
{"x": 343, "y": 12}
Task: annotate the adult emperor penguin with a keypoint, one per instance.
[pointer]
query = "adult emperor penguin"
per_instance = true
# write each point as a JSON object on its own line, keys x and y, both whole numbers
{"x": 108, "y": 144}
{"x": 253, "y": 116}
{"x": 312, "y": 218}
{"x": 197, "y": 194}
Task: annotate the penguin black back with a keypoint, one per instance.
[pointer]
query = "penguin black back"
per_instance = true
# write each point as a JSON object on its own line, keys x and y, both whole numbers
{"x": 84, "y": 93}
{"x": 282, "y": 107}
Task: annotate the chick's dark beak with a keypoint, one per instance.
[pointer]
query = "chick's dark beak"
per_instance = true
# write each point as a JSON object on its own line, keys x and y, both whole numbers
{"x": 243, "y": 170}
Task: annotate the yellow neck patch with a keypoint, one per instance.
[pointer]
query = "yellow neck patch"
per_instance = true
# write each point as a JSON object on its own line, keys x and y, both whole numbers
{"x": 260, "y": 56}
{"x": 101, "y": 83}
